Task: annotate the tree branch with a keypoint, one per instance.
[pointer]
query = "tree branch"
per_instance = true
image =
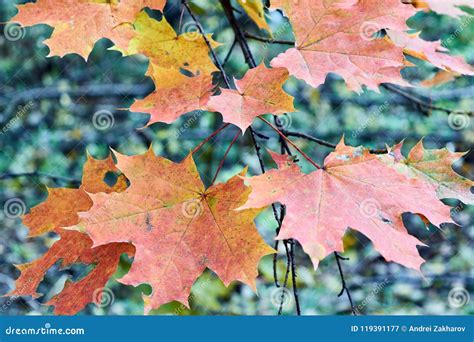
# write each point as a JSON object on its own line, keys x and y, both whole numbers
{"x": 209, "y": 46}
{"x": 323, "y": 142}
{"x": 424, "y": 105}
{"x": 268, "y": 40}
{"x": 239, "y": 35}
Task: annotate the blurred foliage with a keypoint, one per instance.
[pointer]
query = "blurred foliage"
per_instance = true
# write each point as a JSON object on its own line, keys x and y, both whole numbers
{"x": 48, "y": 106}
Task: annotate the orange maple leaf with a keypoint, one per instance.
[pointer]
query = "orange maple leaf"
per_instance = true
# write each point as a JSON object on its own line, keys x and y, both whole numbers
{"x": 79, "y": 24}
{"x": 175, "y": 95}
{"x": 258, "y": 92}
{"x": 62, "y": 205}
{"x": 60, "y": 210}
{"x": 72, "y": 248}
{"x": 177, "y": 227}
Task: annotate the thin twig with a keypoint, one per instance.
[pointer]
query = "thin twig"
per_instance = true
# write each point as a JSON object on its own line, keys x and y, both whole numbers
{"x": 343, "y": 282}
{"x": 225, "y": 156}
{"x": 180, "y": 20}
{"x": 229, "y": 53}
{"x": 287, "y": 273}
{"x": 239, "y": 35}
{"x": 277, "y": 243}
{"x": 422, "y": 104}
{"x": 293, "y": 277}
{"x": 258, "y": 152}
{"x": 261, "y": 135}
{"x": 308, "y": 158}
{"x": 209, "y": 46}
{"x": 268, "y": 40}
{"x": 289, "y": 252}
{"x": 323, "y": 142}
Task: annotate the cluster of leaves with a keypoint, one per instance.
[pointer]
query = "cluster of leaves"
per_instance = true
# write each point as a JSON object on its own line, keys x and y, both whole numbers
{"x": 160, "y": 213}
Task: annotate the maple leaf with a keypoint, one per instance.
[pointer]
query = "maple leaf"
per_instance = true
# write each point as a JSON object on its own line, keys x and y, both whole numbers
{"x": 158, "y": 41}
{"x": 432, "y": 52}
{"x": 60, "y": 210}
{"x": 435, "y": 168}
{"x": 258, "y": 92}
{"x": 175, "y": 95}
{"x": 177, "y": 227}
{"x": 359, "y": 190}
{"x": 254, "y": 9}
{"x": 62, "y": 205}
{"x": 447, "y": 7}
{"x": 337, "y": 37}
{"x": 79, "y": 24}
{"x": 72, "y": 248}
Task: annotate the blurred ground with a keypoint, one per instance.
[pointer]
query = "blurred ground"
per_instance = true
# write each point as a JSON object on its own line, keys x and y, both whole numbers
{"x": 47, "y": 108}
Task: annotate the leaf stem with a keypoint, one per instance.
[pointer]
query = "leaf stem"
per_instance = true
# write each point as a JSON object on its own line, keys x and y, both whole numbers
{"x": 225, "y": 156}
{"x": 217, "y": 131}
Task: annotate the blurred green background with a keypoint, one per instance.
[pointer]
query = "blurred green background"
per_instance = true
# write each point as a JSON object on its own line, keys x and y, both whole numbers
{"x": 47, "y": 106}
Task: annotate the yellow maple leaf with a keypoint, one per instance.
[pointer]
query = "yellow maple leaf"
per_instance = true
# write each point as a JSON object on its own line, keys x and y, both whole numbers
{"x": 158, "y": 41}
